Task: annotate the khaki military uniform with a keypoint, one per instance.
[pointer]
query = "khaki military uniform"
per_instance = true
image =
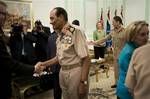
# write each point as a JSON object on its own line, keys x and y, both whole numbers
{"x": 71, "y": 48}
{"x": 118, "y": 41}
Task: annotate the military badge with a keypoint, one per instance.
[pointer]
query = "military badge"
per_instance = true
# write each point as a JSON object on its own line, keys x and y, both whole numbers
{"x": 71, "y": 29}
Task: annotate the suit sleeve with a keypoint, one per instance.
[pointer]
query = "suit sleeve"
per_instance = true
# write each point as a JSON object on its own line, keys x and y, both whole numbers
{"x": 9, "y": 64}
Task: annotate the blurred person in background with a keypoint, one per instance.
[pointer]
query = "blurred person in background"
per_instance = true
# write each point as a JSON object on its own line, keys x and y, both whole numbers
{"x": 22, "y": 43}
{"x": 41, "y": 33}
{"x": 8, "y": 65}
{"x": 99, "y": 49}
{"x": 76, "y": 22}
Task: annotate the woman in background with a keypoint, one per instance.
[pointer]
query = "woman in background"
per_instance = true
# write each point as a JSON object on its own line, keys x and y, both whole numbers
{"x": 99, "y": 49}
{"x": 136, "y": 36}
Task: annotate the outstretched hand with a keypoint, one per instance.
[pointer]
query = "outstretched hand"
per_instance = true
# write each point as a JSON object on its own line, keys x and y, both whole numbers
{"x": 39, "y": 67}
{"x": 91, "y": 42}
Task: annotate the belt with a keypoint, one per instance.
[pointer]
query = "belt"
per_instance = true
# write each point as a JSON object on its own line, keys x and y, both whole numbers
{"x": 68, "y": 67}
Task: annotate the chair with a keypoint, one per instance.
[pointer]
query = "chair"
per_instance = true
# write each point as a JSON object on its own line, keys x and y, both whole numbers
{"x": 21, "y": 84}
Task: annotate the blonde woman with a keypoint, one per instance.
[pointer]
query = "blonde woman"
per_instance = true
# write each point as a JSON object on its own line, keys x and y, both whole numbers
{"x": 99, "y": 49}
{"x": 136, "y": 36}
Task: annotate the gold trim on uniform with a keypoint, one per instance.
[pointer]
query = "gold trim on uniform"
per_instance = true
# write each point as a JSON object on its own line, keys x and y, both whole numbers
{"x": 71, "y": 29}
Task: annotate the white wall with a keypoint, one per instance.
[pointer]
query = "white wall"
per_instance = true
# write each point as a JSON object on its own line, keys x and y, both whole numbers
{"x": 90, "y": 17}
{"x": 42, "y": 8}
{"x": 75, "y": 10}
{"x": 134, "y": 10}
{"x": 137, "y": 10}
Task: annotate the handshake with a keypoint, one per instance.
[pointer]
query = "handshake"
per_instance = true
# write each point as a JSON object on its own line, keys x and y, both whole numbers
{"x": 98, "y": 42}
{"x": 91, "y": 42}
{"x": 39, "y": 69}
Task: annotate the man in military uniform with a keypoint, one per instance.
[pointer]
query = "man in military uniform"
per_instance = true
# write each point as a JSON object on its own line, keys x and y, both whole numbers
{"x": 72, "y": 55}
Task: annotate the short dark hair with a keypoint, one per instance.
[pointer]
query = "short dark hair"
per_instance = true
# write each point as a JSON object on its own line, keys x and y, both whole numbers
{"x": 118, "y": 18}
{"x": 38, "y": 22}
{"x": 76, "y": 22}
{"x": 61, "y": 11}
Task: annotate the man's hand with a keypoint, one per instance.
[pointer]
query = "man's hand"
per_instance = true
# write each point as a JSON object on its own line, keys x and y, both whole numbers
{"x": 91, "y": 42}
{"x": 39, "y": 67}
{"x": 83, "y": 88}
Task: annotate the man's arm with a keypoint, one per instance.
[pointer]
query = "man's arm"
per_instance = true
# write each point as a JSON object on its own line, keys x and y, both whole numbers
{"x": 50, "y": 62}
{"x": 40, "y": 66}
{"x": 85, "y": 68}
{"x": 100, "y": 41}
{"x": 83, "y": 86}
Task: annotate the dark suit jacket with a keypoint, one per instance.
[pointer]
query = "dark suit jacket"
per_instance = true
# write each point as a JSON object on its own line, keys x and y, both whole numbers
{"x": 41, "y": 43}
{"x": 7, "y": 67}
{"x": 46, "y": 30}
{"x": 16, "y": 46}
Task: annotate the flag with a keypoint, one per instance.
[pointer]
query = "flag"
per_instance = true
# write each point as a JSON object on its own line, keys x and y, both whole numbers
{"x": 101, "y": 18}
{"x": 121, "y": 13}
{"x": 115, "y": 12}
{"x": 108, "y": 22}
{"x": 108, "y": 27}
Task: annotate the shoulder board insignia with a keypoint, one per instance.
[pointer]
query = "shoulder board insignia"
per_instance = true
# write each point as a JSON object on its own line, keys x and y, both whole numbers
{"x": 71, "y": 29}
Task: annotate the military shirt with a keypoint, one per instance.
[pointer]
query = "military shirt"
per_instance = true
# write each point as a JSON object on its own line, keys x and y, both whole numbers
{"x": 118, "y": 40}
{"x": 71, "y": 46}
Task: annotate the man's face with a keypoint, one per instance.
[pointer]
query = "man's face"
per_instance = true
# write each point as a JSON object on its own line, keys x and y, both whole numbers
{"x": 115, "y": 23}
{"x": 3, "y": 14}
{"x": 57, "y": 22}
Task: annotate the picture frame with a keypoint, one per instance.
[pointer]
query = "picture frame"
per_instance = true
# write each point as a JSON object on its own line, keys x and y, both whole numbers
{"x": 18, "y": 11}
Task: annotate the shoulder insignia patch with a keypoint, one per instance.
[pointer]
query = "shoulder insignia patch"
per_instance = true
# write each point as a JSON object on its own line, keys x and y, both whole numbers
{"x": 71, "y": 29}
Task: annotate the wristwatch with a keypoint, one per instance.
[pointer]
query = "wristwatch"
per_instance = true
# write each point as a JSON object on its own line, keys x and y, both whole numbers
{"x": 84, "y": 82}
